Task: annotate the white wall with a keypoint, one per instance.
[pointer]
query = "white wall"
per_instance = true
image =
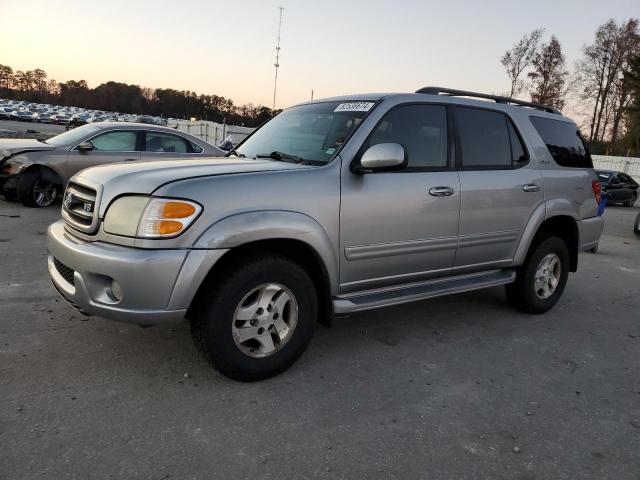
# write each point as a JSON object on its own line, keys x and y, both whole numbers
{"x": 211, "y": 132}
{"x": 628, "y": 165}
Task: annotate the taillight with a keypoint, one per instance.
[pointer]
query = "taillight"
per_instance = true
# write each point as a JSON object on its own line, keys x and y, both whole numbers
{"x": 597, "y": 190}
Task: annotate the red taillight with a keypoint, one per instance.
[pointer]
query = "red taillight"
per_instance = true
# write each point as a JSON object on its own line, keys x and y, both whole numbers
{"x": 597, "y": 190}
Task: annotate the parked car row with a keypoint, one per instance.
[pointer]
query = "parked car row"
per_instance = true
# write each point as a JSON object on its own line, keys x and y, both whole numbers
{"x": 23, "y": 111}
{"x": 36, "y": 171}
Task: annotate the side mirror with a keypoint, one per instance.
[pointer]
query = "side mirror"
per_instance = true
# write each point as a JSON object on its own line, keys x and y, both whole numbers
{"x": 383, "y": 157}
{"x": 85, "y": 146}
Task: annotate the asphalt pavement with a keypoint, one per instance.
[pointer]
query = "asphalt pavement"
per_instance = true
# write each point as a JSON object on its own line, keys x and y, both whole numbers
{"x": 459, "y": 387}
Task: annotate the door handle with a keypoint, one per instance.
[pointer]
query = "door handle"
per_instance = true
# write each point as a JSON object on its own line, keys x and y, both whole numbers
{"x": 441, "y": 191}
{"x": 531, "y": 187}
{"x": 130, "y": 160}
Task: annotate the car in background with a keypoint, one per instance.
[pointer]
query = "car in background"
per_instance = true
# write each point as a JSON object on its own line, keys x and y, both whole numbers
{"x": 619, "y": 187}
{"x": 36, "y": 171}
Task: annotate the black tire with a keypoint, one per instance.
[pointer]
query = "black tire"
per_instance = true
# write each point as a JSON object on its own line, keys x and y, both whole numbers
{"x": 636, "y": 225}
{"x": 522, "y": 293}
{"x": 213, "y": 316}
{"x": 10, "y": 195}
{"x": 29, "y": 181}
{"x": 631, "y": 201}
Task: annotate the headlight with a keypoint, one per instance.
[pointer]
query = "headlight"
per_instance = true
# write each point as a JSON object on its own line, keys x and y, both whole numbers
{"x": 13, "y": 167}
{"x": 150, "y": 217}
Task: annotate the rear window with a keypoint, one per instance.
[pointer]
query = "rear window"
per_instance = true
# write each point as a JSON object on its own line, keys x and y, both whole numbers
{"x": 564, "y": 142}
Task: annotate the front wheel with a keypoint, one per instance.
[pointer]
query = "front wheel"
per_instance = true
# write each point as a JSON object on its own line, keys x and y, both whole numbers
{"x": 541, "y": 280}
{"x": 258, "y": 319}
{"x": 36, "y": 191}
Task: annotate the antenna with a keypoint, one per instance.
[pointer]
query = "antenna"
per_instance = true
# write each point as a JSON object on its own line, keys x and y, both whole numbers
{"x": 277, "y": 64}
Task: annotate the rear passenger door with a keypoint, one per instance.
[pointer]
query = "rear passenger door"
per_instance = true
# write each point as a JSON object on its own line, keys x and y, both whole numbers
{"x": 500, "y": 188}
{"x": 161, "y": 145}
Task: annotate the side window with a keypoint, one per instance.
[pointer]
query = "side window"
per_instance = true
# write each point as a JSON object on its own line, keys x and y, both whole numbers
{"x": 564, "y": 142}
{"x": 117, "y": 141}
{"x": 195, "y": 148}
{"x": 420, "y": 129}
{"x": 484, "y": 138}
{"x": 166, "y": 143}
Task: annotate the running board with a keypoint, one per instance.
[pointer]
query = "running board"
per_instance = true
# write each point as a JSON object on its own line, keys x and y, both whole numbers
{"x": 421, "y": 291}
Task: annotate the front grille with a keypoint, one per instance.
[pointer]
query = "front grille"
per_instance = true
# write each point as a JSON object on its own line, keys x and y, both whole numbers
{"x": 66, "y": 272}
{"x": 79, "y": 207}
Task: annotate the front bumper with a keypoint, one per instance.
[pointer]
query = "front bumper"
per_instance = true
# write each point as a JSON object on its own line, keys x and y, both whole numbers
{"x": 589, "y": 231}
{"x": 157, "y": 285}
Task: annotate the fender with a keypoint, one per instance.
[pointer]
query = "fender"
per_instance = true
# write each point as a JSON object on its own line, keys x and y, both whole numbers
{"x": 551, "y": 208}
{"x": 242, "y": 228}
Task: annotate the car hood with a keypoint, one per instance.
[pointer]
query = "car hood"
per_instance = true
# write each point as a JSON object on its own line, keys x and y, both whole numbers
{"x": 11, "y": 146}
{"x": 147, "y": 176}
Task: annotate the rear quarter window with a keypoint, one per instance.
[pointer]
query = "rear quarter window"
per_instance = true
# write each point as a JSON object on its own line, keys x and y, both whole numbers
{"x": 564, "y": 142}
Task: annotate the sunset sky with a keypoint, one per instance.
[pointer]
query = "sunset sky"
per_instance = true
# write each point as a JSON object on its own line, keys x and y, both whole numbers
{"x": 331, "y": 46}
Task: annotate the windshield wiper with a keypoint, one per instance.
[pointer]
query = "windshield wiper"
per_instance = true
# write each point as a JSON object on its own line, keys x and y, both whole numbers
{"x": 285, "y": 157}
{"x": 42, "y": 140}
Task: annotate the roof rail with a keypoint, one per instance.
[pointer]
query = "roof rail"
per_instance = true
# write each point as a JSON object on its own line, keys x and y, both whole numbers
{"x": 496, "y": 98}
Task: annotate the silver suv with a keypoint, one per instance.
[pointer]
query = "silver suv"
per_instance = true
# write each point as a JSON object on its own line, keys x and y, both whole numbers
{"x": 332, "y": 207}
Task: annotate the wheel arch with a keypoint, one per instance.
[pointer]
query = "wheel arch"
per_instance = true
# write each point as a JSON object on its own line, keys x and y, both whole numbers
{"x": 562, "y": 225}
{"x": 48, "y": 172}
{"x": 297, "y": 250}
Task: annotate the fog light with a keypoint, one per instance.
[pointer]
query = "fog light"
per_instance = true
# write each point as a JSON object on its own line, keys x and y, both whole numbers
{"x": 116, "y": 290}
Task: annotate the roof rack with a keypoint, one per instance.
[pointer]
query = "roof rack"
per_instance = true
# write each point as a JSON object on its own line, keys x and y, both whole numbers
{"x": 496, "y": 98}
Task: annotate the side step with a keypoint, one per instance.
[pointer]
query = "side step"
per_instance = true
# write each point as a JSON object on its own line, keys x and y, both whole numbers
{"x": 410, "y": 293}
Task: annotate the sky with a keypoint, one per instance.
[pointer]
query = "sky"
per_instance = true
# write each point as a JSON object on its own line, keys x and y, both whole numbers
{"x": 332, "y": 47}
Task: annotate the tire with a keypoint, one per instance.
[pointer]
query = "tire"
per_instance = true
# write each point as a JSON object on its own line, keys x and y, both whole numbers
{"x": 630, "y": 202}
{"x": 35, "y": 191}
{"x": 217, "y": 331}
{"x": 524, "y": 294}
{"x": 636, "y": 225}
{"x": 10, "y": 195}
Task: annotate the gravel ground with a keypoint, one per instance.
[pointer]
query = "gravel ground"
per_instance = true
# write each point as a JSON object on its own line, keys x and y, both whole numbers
{"x": 458, "y": 387}
{"x": 44, "y": 128}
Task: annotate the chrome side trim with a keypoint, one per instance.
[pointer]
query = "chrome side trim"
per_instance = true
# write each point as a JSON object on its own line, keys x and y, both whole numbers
{"x": 477, "y": 239}
{"x": 378, "y": 250}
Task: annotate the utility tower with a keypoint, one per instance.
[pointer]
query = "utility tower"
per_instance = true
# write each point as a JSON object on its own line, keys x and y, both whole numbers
{"x": 277, "y": 64}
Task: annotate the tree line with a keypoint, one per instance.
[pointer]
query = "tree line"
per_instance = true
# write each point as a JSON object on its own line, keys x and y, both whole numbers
{"x": 604, "y": 84}
{"x": 35, "y": 86}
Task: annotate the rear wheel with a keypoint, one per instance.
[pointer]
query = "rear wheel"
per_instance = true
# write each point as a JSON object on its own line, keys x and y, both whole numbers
{"x": 631, "y": 201}
{"x": 541, "y": 280}
{"x": 258, "y": 319}
{"x": 34, "y": 190}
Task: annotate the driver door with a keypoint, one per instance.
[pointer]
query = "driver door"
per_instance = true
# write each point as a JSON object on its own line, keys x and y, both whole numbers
{"x": 402, "y": 226}
{"x": 108, "y": 147}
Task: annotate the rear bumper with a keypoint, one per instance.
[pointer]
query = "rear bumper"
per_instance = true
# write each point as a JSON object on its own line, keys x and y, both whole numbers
{"x": 589, "y": 231}
{"x": 157, "y": 285}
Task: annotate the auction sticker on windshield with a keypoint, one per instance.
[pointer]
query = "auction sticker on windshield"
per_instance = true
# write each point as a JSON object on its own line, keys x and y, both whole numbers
{"x": 354, "y": 107}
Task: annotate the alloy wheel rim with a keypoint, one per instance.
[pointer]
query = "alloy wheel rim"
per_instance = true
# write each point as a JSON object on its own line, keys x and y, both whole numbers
{"x": 44, "y": 193}
{"x": 547, "y": 276}
{"x": 265, "y": 320}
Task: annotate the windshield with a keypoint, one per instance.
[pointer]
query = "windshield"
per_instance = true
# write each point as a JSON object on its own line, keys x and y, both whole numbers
{"x": 313, "y": 132}
{"x": 74, "y": 136}
{"x": 604, "y": 176}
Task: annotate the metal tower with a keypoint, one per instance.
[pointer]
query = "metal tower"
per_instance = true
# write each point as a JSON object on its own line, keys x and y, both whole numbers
{"x": 277, "y": 64}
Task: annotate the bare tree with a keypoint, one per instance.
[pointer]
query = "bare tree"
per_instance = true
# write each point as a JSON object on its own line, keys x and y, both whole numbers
{"x": 549, "y": 74}
{"x": 601, "y": 71}
{"x": 516, "y": 60}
